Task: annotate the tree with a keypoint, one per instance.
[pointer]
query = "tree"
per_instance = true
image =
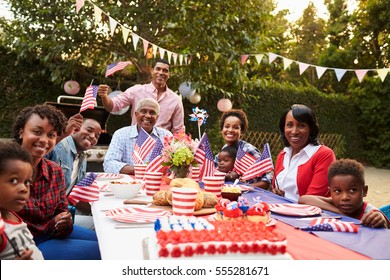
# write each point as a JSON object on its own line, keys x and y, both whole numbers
{"x": 70, "y": 44}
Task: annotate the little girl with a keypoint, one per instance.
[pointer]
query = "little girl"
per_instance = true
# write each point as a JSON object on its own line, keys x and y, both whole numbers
{"x": 226, "y": 159}
{"x": 16, "y": 240}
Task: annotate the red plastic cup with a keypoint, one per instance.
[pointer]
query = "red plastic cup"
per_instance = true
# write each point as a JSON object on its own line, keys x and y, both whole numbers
{"x": 213, "y": 184}
{"x": 139, "y": 171}
{"x": 152, "y": 182}
{"x": 183, "y": 201}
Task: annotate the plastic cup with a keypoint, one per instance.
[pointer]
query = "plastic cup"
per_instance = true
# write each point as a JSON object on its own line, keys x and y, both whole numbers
{"x": 139, "y": 171}
{"x": 195, "y": 172}
{"x": 213, "y": 184}
{"x": 220, "y": 174}
{"x": 183, "y": 201}
{"x": 152, "y": 182}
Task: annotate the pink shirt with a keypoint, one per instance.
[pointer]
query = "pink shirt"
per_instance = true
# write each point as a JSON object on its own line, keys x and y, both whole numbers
{"x": 171, "y": 107}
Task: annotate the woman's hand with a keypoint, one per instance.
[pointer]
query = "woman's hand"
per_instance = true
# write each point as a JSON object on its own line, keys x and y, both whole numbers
{"x": 63, "y": 221}
{"x": 374, "y": 219}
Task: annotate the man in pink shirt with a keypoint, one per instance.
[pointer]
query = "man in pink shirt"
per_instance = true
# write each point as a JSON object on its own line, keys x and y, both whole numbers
{"x": 172, "y": 112}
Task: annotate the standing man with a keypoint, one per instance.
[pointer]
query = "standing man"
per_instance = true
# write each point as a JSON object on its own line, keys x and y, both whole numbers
{"x": 118, "y": 158}
{"x": 171, "y": 106}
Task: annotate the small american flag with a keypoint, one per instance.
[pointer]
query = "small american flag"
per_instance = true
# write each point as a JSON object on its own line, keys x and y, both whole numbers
{"x": 262, "y": 165}
{"x": 145, "y": 143}
{"x": 318, "y": 221}
{"x": 86, "y": 190}
{"x": 117, "y": 66}
{"x": 89, "y": 98}
{"x": 208, "y": 167}
{"x": 155, "y": 159}
{"x": 200, "y": 150}
{"x": 243, "y": 161}
{"x": 333, "y": 226}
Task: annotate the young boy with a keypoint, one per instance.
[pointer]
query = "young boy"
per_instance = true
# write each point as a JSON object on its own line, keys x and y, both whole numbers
{"x": 16, "y": 240}
{"x": 226, "y": 159}
{"x": 347, "y": 189}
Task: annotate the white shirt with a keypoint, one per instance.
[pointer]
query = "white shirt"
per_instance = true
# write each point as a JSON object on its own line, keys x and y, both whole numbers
{"x": 287, "y": 178}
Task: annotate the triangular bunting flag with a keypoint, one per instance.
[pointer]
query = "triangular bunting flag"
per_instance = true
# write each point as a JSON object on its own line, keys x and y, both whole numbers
{"x": 174, "y": 58}
{"x": 339, "y": 73}
{"x": 135, "y": 39}
{"x": 79, "y": 5}
{"x": 286, "y": 62}
{"x": 320, "y": 71}
{"x": 360, "y": 74}
{"x": 181, "y": 59}
{"x": 382, "y": 73}
{"x": 259, "y": 58}
{"x": 113, "y": 24}
{"x": 244, "y": 57}
{"x": 146, "y": 45}
{"x": 216, "y": 56}
{"x": 302, "y": 67}
{"x": 169, "y": 54}
{"x": 125, "y": 34}
{"x": 97, "y": 13}
{"x": 271, "y": 57}
{"x": 186, "y": 59}
{"x": 154, "y": 47}
{"x": 162, "y": 53}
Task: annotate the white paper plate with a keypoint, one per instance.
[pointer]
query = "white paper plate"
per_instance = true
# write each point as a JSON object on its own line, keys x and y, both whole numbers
{"x": 290, "y": 209}
{"x": 136, "y": 214}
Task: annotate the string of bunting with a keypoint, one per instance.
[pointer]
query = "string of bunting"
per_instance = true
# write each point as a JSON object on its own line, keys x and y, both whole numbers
{"x": 320, "y": 70}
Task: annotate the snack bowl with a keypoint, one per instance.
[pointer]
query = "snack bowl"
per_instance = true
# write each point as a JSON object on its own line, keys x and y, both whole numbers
{"x": 230, "y": 195}
{"x": 125, "y": 189}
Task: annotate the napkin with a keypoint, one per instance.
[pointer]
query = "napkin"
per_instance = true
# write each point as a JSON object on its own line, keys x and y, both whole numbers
{"x": 86, "y": 190}
{"x": 338, "y": 226}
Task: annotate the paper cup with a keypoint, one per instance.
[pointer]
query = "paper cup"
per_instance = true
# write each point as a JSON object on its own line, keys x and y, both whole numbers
{"x": 152, "y": 182}
{"x": 139, "y": 171}
{"x": 195, "y": 171}
{"x": 220, "y": 174}
{"x": 183, "y": 201}
{"x": 213, "y": 184}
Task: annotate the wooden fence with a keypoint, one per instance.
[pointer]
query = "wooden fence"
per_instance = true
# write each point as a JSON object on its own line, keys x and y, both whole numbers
{"x": 259, "y": 138}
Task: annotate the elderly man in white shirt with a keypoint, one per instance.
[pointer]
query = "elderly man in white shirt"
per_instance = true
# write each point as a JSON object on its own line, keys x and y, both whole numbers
{"x": 119, "y": 155}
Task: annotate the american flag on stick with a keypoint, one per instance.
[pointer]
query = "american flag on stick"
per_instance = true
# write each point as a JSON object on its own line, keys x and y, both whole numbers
{"x": 155, "y": 159}
{"x": 86, "y": 190}
{"x": 333, "y": 226}
{"x": 205, "y": 154}
{"x": 89, "y": 99}
{"x": 243, "y": 161}
{"x": 262, "y": 165}
{"x": 117, "y": 66}
{"x": 145, "y": 143}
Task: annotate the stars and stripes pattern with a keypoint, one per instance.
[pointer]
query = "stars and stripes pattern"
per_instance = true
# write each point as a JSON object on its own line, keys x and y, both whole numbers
{"x": 155, "y": 159}
{"x": 86, "y": 190}
{"x": 262, "y": 165}
{"x": 144, "y": 145}
{"x": 200, "y": 150}
{"x": 204, "y": 148}
{"x": 318, "y": 221}
{"x": 333, "y": 226}
{"x": 243, "y": 161}
{"x": 117, "y": 66}
{"x": 89, "y": 98}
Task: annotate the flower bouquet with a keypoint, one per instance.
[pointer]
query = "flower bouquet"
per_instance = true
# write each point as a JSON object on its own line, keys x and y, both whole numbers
{"x": 178, "y": 153}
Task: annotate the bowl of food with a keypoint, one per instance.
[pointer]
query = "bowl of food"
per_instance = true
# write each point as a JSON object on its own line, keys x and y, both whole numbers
{"x": 126, "y": 189}
{"x": 230, "y": 192}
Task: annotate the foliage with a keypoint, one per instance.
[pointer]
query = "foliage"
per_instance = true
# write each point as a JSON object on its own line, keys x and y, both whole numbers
{"x": 179, "y": 150}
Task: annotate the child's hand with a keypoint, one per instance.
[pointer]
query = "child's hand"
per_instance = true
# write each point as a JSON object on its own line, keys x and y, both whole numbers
{"x": 63, "y": 221}
{"x": 26, "y": 255}
{"x": 278, "y": 191}
{"x": 374, "y": 219}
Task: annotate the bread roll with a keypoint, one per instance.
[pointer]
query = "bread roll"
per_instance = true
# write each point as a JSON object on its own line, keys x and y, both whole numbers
{"x": 210, "y": 200}
{"x": 184, "y": 182}
{"x": 160, "y": 198}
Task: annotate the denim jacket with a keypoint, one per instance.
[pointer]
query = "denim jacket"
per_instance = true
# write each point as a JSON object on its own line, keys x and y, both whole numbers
{"x": 64, "y": 153}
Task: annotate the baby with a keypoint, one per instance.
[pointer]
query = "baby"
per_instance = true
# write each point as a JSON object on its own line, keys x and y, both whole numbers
{"x": 347, "y": 189}
{"x": 226, "y": 159}
{"x": 16, "y": 240}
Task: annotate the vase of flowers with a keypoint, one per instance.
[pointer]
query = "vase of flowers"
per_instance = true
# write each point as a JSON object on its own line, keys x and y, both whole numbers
{"x": 178, "y": 153}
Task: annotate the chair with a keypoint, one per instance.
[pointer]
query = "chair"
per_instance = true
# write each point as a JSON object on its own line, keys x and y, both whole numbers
{"x": 72, "y": 210}
{"x": 386, "y": 210}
